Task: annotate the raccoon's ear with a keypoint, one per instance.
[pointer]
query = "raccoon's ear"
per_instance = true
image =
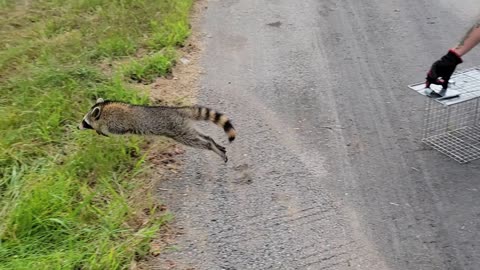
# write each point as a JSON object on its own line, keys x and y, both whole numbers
{"x": 96, "y": 113}
{"x": 100, "y": 100}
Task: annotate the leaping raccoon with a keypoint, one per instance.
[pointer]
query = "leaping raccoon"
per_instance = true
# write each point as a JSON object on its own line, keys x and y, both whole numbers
{"x": 114, "y": 117}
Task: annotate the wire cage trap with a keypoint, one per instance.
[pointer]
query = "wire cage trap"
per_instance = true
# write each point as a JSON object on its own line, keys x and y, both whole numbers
{"x": 452, "y": 125}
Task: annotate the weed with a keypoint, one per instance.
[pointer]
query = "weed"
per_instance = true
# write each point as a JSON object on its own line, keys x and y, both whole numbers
{"x": 150, "y": 67}
{"x": 65, "y": 195}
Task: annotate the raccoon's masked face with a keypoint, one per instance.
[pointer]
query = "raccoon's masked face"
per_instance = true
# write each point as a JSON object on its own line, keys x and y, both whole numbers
{"x": 89, "y": 121}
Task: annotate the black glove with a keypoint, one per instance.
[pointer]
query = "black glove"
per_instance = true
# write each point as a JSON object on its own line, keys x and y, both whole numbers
{"x": 444, "y": 69}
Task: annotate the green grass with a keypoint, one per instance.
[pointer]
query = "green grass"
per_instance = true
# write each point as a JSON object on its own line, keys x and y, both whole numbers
{"x": 67, "y": 197}
{"x": 150, "y": 67}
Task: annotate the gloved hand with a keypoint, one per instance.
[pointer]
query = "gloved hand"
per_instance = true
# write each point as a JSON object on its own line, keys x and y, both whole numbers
{"x": 444, "y": 69}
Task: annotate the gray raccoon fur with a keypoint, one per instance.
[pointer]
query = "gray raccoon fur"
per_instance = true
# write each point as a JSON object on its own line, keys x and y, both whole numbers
{"x": 114, "y": 117}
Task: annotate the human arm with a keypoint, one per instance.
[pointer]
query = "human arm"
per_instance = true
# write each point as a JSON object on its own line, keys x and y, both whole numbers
{"x": 445, "y": 67}
{"x": 470, "y": 40}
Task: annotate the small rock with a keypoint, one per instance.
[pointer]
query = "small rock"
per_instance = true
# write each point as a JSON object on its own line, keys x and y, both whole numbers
{"x": 275, "y": 24}
{"x": 184, "y": 60}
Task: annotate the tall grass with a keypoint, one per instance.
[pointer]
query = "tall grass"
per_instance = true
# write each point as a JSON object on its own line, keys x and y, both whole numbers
{"x": 65, "y": 195}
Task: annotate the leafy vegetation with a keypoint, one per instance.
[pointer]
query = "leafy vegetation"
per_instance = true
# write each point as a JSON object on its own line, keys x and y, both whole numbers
{"x": 66, "y": 196}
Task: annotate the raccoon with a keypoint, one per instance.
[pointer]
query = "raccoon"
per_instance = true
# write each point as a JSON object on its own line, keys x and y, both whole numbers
{"x": 114, "y": 117}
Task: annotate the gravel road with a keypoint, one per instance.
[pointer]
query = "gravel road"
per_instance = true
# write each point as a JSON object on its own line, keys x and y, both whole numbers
{"x": 328, "y": 171}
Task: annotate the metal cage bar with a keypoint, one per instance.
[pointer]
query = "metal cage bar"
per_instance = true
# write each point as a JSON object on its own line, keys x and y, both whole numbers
{"x": 453, "y": 129}
{"x": 452, "y": 125}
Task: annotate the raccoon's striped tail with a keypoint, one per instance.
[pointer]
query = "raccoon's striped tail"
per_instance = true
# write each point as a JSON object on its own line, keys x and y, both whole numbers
{"x": 206, "y": 114}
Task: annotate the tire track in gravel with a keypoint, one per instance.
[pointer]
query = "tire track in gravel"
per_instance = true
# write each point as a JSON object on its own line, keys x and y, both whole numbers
{"x": 327, "y": 171}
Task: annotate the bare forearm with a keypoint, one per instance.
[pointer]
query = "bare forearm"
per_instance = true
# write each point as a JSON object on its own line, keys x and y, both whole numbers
{"x": 470, "y": 40}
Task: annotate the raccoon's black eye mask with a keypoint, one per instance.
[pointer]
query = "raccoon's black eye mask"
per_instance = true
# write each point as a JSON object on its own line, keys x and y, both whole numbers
{"x": 86, "y": 125}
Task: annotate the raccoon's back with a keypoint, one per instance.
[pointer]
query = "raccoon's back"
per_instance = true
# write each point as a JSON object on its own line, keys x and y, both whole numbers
{"x": 160, "y": 121}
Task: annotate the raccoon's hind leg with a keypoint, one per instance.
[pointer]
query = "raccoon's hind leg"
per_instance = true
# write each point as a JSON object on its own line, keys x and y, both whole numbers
{"x": 198, "y": 140}
{"x": 207, "y": 138}
{"x": 217, "y": 148}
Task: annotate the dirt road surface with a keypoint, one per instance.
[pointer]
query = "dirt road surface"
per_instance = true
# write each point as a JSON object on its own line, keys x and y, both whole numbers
{"x": 328, "y": 171}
